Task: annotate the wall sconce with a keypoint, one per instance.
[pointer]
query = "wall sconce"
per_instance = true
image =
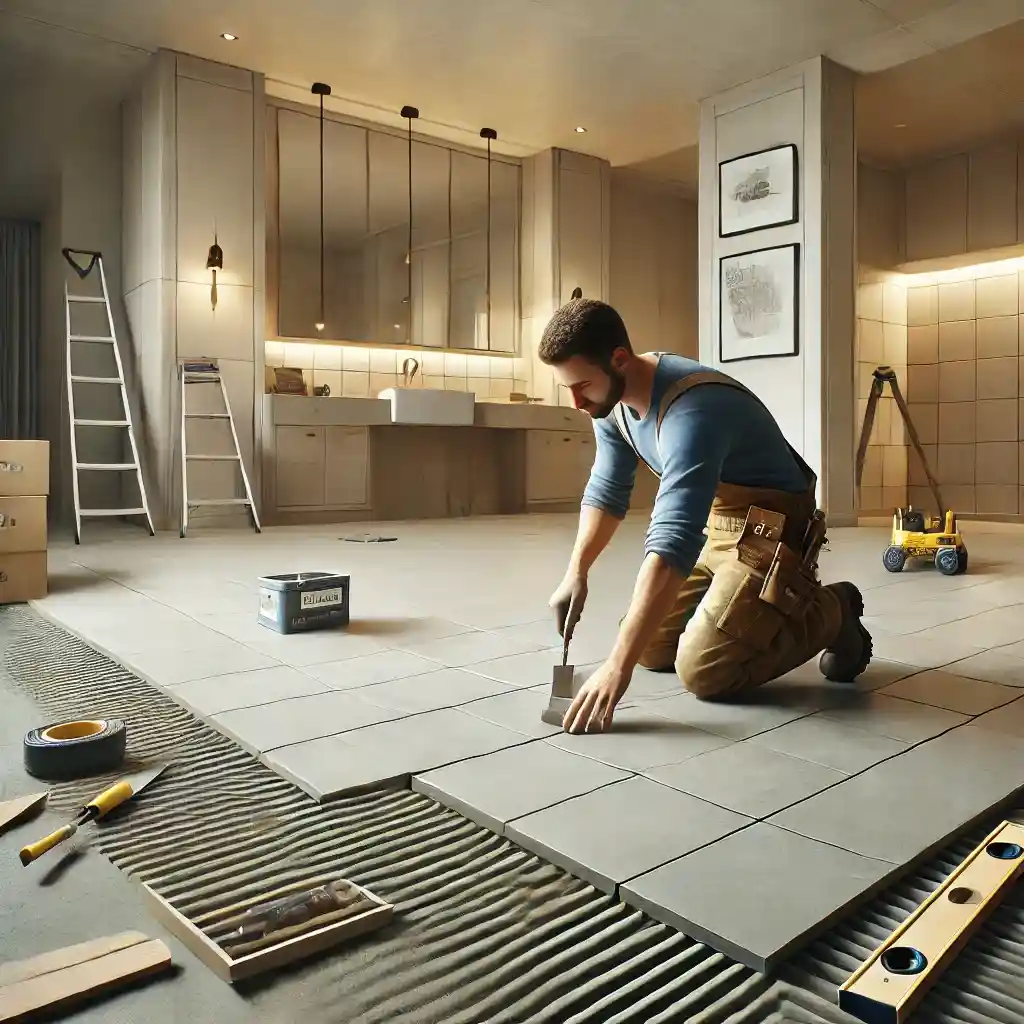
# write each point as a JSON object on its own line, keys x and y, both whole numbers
{"x": 214, "y": 262}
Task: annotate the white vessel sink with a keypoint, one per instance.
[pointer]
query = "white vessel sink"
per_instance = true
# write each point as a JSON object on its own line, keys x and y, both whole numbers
{"x": 430, "y": 406}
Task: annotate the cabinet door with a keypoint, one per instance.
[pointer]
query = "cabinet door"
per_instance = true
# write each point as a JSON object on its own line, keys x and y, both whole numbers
{"x": 937, "y": 208}
{"x": 992, "y": 198}
{"x": 580, "y": 231}
{"x": 300, "y": 467}
{"x": 552, "y": 466}
{"x": 346, "y": 480}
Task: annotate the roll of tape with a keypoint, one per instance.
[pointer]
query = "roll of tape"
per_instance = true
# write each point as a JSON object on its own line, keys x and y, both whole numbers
{"x": 73, "y": 750}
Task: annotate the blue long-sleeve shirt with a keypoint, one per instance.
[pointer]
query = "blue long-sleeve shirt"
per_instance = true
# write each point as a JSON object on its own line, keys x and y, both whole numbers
{"x": 711, "y": 433}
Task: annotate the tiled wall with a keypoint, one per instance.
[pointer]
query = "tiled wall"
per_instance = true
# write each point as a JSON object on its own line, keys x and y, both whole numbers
{"x": 966, "y": 390}
{"x": 356, "y": 371}
{"x": 882, "y": 340}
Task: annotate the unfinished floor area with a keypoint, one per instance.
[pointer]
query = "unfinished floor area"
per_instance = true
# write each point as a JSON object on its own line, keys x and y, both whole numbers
{"x": 801, "y": 802}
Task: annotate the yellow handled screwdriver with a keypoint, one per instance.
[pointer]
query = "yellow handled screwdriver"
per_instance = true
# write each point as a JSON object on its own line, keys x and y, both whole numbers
{"x": 99, "y": 806}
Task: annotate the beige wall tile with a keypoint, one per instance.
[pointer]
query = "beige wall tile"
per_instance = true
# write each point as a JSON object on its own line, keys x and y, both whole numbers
{"x": 382, "y": 381}
{"x": 894, "y": 344}
{"x": 870, "y": 344}
{"x": 922, "y": 383}
{"x": 1020, "y": 291}
{"x": 957, "y": 380}
{"x": 1020, "y": 376}
{"x": 1020, "y": 463}
{"x": 872, "y": 474}
{"x": 355, "y": 384}
{"x": 882, "y": 427}
{"x": 869, "y": 301}
{"x": 923, "y": 305}
{"x": 925, "y": 417}
{"x": 956, "y": 301}
{"x": 864, "y": 379}
{"x": 956, "y": 464}
{"x": 383, "y": 360}
{"x": 356, "y": 359}
{"x": 480, "y": 386}
{"x": 870, "y": 499}
{"x": 997, "y": 296}
{"x": 915, "y": 468}
{"x": 432, "y": 381}
{"x": 960, "y": 498}
{"x": 501, "y": 387}
{"x": 894, "y": 466}
{"x": 894, "y": 497}
{"x": 995, "y": 462}
{"x": 328, "y": 378}
{"x": 920, "y": 497}
{"x": 997, "y": 499}
{"x": 997, "y": 420}
{"x": 894, "y": 303}
{"x": 957, "y": 422}
{"x": 957, "y": 340}
{"x": 997, "y": 378}
{"x": 923, "y": 344}
{"x": 1020, "y": 423}
{"x": 997, "y": 336}
{"x": 897, "y": 430}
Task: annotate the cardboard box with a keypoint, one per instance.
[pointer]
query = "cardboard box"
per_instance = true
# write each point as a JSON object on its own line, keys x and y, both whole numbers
{"x": 22, "y": 524}
{"x": 24, "y": 467}
{"x": 22, "y": 577}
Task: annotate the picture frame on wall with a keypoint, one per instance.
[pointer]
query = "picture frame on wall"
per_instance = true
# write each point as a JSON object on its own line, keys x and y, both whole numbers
{"x": 759, "y": 304}
{"x": 757, "y": 191}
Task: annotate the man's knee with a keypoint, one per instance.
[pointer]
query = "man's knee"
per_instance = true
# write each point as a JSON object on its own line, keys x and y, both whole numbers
{"x": 715, "y": 675}
{"x": 659, "y": 658}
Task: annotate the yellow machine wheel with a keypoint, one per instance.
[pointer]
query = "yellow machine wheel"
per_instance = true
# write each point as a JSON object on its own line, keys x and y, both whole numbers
{"x": 947, "y": 561}
{"x": 894, "y": 558}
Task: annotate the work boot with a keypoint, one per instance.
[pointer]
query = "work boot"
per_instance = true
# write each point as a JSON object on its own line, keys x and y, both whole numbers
{"x": 851, "y": 650}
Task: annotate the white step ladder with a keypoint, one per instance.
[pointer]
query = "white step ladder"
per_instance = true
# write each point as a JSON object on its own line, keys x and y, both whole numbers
{"x": 77, "y": 339}
{"x": 193, "y": 372}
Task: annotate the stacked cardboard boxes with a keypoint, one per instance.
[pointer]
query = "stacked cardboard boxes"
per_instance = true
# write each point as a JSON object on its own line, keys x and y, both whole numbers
{"x": 24, "y": 486}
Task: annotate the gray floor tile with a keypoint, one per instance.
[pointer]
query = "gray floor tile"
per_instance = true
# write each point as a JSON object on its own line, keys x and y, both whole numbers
{"x": 495, "y": 788}
{"x": 382, "y": 754}
{"x": 518, "y": 710}
{"x": 639, "y": 739}
{"x": 385, "y": 630}
{"x": 731, "y": 721}
{"x": 931, "y": 648}
{"x": 991, "y": 666}
{"x": 900, "y": 808}
{"x": 468, "y": 648}
{"x": 898, "y": 719}
{"x": 942, "y": 689}
{"x": 432, "y": 691}
{"x": 879, "y": 673}
{"x": 169, "y": 668}
{"x": 299, "y": 719}
{"x": 523, "y": 670}
{"x": 747, "y": 778}
{"x": 756, "y": 895}
{"x": 622, "y": 830}
{"x": 244, "y": 689}
{"x": 369, "y": 669}
{"x": 1008, "y": 719}
{"x": 314, "y": 648}
{"x": 828, "y": 743}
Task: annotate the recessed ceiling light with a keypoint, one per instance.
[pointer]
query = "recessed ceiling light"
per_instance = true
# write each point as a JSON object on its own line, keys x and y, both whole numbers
{"x": 229, "y": 36}
{"x": 899, "y": 126}
{"x": 579, "y": 130}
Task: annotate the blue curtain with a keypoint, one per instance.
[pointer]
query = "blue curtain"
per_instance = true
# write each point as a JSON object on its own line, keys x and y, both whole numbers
{"x": 20, "y": 333}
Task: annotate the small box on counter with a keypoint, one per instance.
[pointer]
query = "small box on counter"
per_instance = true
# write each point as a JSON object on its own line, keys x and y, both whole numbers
{"x": 22, "y": 524}
{"x": 24, "y": 468}
{"x": 22, "y": 576}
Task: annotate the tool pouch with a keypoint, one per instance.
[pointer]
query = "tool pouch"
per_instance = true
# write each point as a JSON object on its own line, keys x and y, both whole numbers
{"x": 762, "y": 532}
{"x": 788, "y": 586}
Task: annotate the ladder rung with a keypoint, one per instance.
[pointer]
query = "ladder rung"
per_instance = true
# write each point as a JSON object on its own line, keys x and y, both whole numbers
{"x": 196, "y": 502}
{"x": 114, "y": 467}
{"x": 212, "y": 458}
{"x": 112, "y": 512}
{"x": 204, "y": 379}
{"x": 101, "y": 423}
{"x": 207, "y": 416}
{"x": 85, "y": 298}
{"x": 79, "y": 379}
{"x": 92, "y": 337}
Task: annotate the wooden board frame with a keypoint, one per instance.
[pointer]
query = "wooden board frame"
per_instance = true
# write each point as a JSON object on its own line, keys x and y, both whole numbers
{"x": 887, "y": 987}
{"x": 298, "y": 947}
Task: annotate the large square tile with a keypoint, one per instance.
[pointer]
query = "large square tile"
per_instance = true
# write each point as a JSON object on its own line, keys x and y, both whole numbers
{"x": 993, "y": 666}
{"x": 898, "y": 719}
{"x": 469, "y": 648}
{"x": 731, "y": 721}
{"x": 495, "y": 788}
{"x": 942, "y": 689}
{"x": 313, "y": 648}
{"x": 904, "y": 807}
{"x": 828, "y": 743}
{"x": 244, "y": 689}
{"x": 639, "y": 739}
{"x": 518, "y": 710}
{"x": 169, "y": 668}
{"x": 368, "y": 669}
{"x": 444, "y": 688}
{"x": 758, "y": 894}
{"x": 298, "y": 719}
{"x": 931, "y": 648}
{"x": 388, "y": 753}
{"x": 747, "y": 778}
{"x": 622, "y": 830}
{"x": 523, "y": 670}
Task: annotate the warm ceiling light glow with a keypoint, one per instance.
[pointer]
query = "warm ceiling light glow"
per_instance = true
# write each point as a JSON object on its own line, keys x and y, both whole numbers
{"x": 228, "y": 36}
{"x": 899, "y": 126}
{"x": 319, "y": 327}
{"x": 976, "y": 270}
{"x": 579, "y": 130}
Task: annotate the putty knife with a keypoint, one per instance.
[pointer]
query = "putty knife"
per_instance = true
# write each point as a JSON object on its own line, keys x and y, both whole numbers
{"x": 562, "y": 688}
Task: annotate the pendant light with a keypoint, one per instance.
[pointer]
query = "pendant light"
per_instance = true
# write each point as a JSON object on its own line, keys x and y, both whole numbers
{"x": 410, "y": 114}
{"x": 321, "y": 89}
{"x": 214, "y": 262}
{"x": 490, "y": 135}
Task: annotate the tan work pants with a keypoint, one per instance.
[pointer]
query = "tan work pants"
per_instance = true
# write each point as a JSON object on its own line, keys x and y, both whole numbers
{"x": 721, "y": 636}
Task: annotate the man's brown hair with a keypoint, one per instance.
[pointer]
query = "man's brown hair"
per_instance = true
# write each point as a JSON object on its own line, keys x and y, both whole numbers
{"x": 583, "y": 327}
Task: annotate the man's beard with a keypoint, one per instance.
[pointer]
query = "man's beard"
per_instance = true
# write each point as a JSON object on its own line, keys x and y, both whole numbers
{"x": 616, "y": 389}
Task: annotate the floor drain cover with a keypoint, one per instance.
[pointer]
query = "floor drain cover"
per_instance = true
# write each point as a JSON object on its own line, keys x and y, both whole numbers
{"x": 368, "y": 538}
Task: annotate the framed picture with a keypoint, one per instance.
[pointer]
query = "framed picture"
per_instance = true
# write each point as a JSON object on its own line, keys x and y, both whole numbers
{"x": 757, "y": 191}
{"x": 759, "y": 304}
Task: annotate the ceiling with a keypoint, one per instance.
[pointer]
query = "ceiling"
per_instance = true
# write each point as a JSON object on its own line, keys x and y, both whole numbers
{"x": 533, "y": 69}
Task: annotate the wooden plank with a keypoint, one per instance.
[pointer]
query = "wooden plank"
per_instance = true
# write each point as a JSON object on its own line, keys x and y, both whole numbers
{"x": 59, "y": 989}
{"x": 16, "y": 810}
{"x": 69, "y": 956}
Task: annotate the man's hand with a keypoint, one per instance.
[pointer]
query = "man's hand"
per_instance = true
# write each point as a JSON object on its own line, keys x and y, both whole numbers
{"x": 567, "y": 602}
{"x": 593, "y": 707}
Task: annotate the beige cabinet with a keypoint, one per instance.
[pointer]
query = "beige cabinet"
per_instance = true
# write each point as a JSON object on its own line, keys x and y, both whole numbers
{"x": 557, "y": 465}
{"x": 347, "y": 466}
{"x": 936, "y": 208}
{"x": 300, "y": 461}
{"x": 992, "y": 198}
{"x": 583, "y": 225}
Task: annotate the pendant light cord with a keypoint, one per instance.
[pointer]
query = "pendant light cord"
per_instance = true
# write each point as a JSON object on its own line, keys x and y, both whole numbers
{"x": 489, "y": 134}
{"x": 409, "y": 113}
{"x": 322, "y": 320}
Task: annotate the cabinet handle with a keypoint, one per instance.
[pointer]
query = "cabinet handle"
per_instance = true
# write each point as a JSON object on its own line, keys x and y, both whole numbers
{"x": 311, "y": 435}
